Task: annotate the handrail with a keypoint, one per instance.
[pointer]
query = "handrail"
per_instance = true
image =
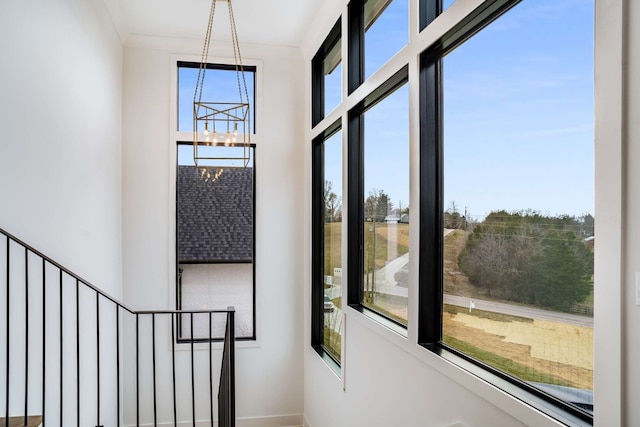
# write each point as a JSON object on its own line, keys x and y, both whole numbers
{"x": 66, "y": 296}
{"x": 95, "y": 288}
{"x": 65, "y": 270}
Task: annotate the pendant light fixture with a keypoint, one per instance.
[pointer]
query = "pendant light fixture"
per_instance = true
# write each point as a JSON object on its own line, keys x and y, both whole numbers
{"x": 224, "y": 123}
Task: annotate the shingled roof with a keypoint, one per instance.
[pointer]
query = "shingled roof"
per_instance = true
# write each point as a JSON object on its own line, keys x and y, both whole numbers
{"x": 215, "y": 219}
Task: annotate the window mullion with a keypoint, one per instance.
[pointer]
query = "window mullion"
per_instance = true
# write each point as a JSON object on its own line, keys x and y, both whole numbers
{"x": 355, "y": 54}
{"x": 355, "y": 188}
{"x": 431, "y": 204}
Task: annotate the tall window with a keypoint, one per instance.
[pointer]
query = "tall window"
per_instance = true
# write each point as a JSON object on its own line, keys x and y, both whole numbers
{"x": 326, "y": 290}
{"x": 379, "y": 187}
{"x": 214, "y": 218}
{"x": 327, "y": 243}
{"x": 514, "y": 214}
{"x": 215, "y": 235}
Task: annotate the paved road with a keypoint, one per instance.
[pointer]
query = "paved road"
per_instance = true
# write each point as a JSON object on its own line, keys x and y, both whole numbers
{"x": 386, "y": 284}
{"x": 516, "y": 310}
{"x": 385, "y": 277}
{"x": 496, "y": 307}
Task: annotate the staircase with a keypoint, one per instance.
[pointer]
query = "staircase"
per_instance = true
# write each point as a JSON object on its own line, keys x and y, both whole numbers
{"x": 76, "y": 356}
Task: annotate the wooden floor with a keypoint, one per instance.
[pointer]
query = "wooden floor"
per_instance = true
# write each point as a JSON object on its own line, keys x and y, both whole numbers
{"x": 32, "y": 421}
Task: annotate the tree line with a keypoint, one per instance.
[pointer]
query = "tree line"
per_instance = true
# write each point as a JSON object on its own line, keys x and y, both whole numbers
{"x": 377, "y": 205}
{"x": 531, "y": 258}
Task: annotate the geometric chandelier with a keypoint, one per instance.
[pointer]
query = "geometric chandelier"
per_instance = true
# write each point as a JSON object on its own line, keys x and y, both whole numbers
{"x": 221, "y": 123}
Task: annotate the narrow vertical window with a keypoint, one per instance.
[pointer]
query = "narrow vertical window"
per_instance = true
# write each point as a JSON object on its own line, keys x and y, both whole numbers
{"x": 215, "y": 239}
{"x": 327, "y": 243}
{"x": 386, "y": 206}
{"x": 215, "y": 207}
{"x": 379, "y": 188}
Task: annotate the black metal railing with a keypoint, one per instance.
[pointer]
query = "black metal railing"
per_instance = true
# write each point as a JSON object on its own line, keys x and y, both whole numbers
{"x": 226, "y": 390}
{"x": 65, "y": 352}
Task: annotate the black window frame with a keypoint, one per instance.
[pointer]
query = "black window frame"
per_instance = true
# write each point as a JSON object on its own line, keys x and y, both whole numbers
{"x": 431, "y": 281}
{"x": 355, "y": 45}
{"x": 179, "y": 338}
{"x": 317, "y": 242}
{"x": 355, "y": 191}
{"x": 428, "y": 11}
{"x": 317, "y": 72}
{"x": 252, "y": 69}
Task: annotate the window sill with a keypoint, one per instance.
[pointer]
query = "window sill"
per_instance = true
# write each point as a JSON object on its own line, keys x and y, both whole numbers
{"x": 511, "y": 399}
{"x": 558, "y": 411}
{"x": 380, "y": 319}
{"x": 328, "y": 360}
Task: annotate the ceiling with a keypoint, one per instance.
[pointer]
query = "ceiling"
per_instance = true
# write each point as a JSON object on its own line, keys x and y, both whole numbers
{"x": 277, "y": 22}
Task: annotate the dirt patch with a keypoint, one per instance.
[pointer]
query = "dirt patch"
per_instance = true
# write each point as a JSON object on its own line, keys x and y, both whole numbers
{"x": 555, "y": 349}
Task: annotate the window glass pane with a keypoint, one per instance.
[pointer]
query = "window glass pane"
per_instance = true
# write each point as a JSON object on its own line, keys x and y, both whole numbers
{"x": 220, "y": 85}
{"x": 332, "y": 69}
{"x": 519, "y": 196}
{"x": 215, "y": 243}
{"x": 386, "y": 31}
{"x": 386, "y": 208}
{"x": 333, "y": 244}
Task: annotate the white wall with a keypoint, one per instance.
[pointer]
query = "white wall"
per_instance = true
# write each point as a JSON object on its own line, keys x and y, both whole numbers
{"x": 216, "y": 287}
{"x": 387, "y": 379}
{"x": 632, "y": 229}
{"x": 60, "y": 191}
{"x": 269, "y": 371}
{"x": 60, "y": 129}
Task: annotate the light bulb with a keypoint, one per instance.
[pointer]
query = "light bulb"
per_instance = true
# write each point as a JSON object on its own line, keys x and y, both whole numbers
{"x": 206, "y": 128}
{"x": 215, "y": 138}
{"x": 228, "y": 138}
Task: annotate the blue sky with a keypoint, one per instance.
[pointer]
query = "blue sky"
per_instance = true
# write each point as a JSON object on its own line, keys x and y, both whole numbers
{"x": 518, "y": 112}
{"x": 225, "y": 89}
{"x": 219, "y": 85}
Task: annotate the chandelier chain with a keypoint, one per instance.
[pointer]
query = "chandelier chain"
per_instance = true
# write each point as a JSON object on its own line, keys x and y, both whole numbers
{"x": 197, "y": 95}
{"x": 230, "y": 112}
{"x": 237, "y": 55}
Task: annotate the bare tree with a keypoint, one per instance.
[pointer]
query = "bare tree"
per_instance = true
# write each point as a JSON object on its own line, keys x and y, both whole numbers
{"x": 332, "y": 203}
